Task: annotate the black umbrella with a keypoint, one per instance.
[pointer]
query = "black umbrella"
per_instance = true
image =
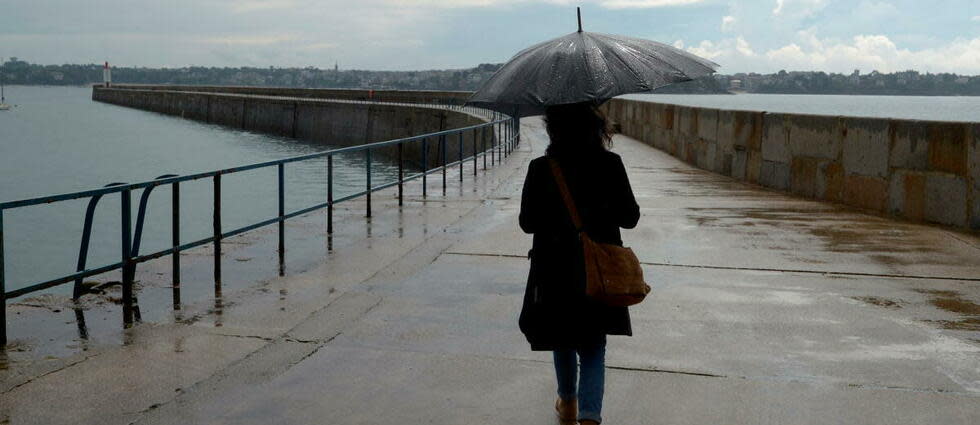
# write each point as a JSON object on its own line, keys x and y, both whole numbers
{"x": 585, "y": 66}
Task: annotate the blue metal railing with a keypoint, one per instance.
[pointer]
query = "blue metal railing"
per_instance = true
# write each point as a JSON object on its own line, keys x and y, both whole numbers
{"x": 496, "y": 139}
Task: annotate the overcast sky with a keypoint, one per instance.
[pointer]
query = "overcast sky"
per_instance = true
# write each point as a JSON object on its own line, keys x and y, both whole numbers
{"x": 745, "y": 35}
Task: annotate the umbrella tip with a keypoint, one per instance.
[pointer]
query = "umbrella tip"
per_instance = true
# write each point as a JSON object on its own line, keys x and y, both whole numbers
{"x": 578, "y": 11}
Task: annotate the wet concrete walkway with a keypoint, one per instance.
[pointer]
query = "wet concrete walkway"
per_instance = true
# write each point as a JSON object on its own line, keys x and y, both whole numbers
{"x": 766, "y": 309}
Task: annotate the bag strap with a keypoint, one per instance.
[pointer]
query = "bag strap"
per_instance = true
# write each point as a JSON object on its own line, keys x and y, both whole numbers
{"x": 566, "y": 195}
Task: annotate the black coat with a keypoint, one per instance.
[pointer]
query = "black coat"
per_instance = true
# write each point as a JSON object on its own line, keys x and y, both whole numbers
{"x": 556, "y": 312}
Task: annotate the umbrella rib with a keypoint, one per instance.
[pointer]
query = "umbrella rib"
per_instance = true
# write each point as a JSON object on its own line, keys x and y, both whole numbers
{"x": 629, "y": 67}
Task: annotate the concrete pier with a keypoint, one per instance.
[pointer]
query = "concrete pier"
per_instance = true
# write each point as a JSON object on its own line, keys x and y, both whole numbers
{"x": 766, "y": 309}
{"x": 335, "y": 117}
{"x": 925, "y": 171}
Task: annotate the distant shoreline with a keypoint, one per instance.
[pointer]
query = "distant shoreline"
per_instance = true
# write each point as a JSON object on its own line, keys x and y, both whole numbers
{"x": 88, "y": 85}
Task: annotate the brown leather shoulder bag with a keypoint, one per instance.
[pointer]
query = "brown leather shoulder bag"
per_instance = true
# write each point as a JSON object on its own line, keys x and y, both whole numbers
{"x": 613, "y": 275}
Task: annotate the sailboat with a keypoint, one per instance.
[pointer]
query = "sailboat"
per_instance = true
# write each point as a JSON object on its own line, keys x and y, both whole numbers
{"x": 3, "y": 101}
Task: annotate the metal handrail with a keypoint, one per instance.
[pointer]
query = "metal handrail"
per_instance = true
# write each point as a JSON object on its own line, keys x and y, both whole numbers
{"x": 497, "y": 139}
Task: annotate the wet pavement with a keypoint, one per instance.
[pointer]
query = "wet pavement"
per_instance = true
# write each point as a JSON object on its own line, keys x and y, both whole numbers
{"x": 766, "y": 309}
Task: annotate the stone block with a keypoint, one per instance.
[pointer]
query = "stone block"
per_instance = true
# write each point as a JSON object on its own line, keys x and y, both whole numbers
{"x": 830, "y": 185}
{"x": 687, "y": 120}
{"x": 646, "y": 133}
{"x": 815, "y": 136}
{"x": 707, "y": 124}
{"x": 909, "y": 145}
{"x": 690, "y": 151}
{"x": 946, "y": 199}
{"x": 774, "y": 174}
{"x": 739, "y": 165}
{"x": 974, "y": 155}
{"x": 866, "y": 192}
{"x": 866, "y": 146}
{"x": 707, "y": 151}
{"x": 748, "y": 129}
{"x": 975, "y": 213}
{"x": 775, "y": 139}
{"x": 726, "y": 132}
{"x": 667, "y": 116}
{"x": 725, "y": 163}
{"x": 642, "y": 112}
{"x": 907, "y": 194}
{"x": 948, "y": 146}
{"x": 753, "y": 166}
{"x": 804, "y": 177}
{"x": 975, "y": 178}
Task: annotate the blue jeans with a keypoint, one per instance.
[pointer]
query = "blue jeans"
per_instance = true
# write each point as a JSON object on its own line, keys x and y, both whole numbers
{"x": 591, "y": 376}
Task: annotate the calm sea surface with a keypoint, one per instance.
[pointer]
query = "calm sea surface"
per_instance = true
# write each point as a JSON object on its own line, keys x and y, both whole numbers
{"x": 939, "y": 108}
{"x": 57, "y": 140}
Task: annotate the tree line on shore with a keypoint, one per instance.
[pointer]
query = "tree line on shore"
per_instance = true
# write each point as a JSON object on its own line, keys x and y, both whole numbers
{"x": 15, "y": 71}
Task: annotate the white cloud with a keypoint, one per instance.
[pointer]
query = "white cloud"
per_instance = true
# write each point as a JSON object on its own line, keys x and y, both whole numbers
{"x": 638, "y": 4}
{"x": 727, "y": 23}
{"x": 975, "y": 18}
{"x": 608, "y": 4}
{"x": 798, "y": 8}
{"x": 779, "y": 8}
{"x": 866, "y": 52}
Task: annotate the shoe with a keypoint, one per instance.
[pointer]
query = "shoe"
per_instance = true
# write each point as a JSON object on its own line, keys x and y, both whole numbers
{"x": 588, "y": 422}
{"x": 567, "y": 411}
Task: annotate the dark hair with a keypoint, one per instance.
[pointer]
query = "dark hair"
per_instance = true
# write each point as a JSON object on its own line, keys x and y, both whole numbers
{"x": 576, "y": 129}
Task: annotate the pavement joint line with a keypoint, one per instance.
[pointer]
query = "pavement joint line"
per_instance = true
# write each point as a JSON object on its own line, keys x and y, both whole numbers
{"x": 318, "y": 344}
{"x": 259, "y": 337}
{"x": 761, "y": 269}
{"x": 32, "y": 379}
{"x": 825, "y": 273}
{"x": 966, "y": 242}
{"x": 757, "y": 378}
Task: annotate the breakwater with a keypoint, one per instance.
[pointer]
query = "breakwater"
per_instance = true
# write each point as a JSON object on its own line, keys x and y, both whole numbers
{"x": 338, "y": 117}
{"x": 926, "y": 171}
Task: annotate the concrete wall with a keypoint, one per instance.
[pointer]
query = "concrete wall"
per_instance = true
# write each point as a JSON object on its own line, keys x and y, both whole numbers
{"x": 306, "y": 116}
{"x": 925, "y": 171}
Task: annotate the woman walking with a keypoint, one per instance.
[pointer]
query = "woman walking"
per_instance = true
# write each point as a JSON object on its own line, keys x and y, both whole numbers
{"x": 557, "y": 315}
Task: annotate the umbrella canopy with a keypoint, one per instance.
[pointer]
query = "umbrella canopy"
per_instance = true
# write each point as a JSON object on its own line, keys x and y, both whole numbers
{"x": 585, "y": 66}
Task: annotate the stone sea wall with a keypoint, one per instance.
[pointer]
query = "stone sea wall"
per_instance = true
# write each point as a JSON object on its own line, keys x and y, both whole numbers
{"x": 926, "y": 171}
{"x": 326, "y": 116}
{"x": 407, "y": 96}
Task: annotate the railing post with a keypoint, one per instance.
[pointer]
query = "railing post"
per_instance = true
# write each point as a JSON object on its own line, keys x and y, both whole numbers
{"x": 367, "y": 154}
{"x": 474, "y": 153}
{"x": 282, "y": 220}
{"x": 517, "y": 130}
{"x": 459, "y": 137}
{"x": 493, "y": 146}
{"x": 401, "y": 172}
{"x": 329, "y": 194}
{"x": 127, "y": 257}
{"x": 483, "y": 145}
{"x": 216, "y": 222}
{"x": 3, "y": 292}
{"x": 425, "y": 166}
{"x": 442, "y": 146}
{"x": 501, "y": 146}
{"x": 175, "y": 241}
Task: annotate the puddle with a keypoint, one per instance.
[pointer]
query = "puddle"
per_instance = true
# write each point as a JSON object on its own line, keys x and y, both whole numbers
{"x": 880, "y": 302}
{"x": 838, "y": 231}
{"x": 953, "y": 302}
